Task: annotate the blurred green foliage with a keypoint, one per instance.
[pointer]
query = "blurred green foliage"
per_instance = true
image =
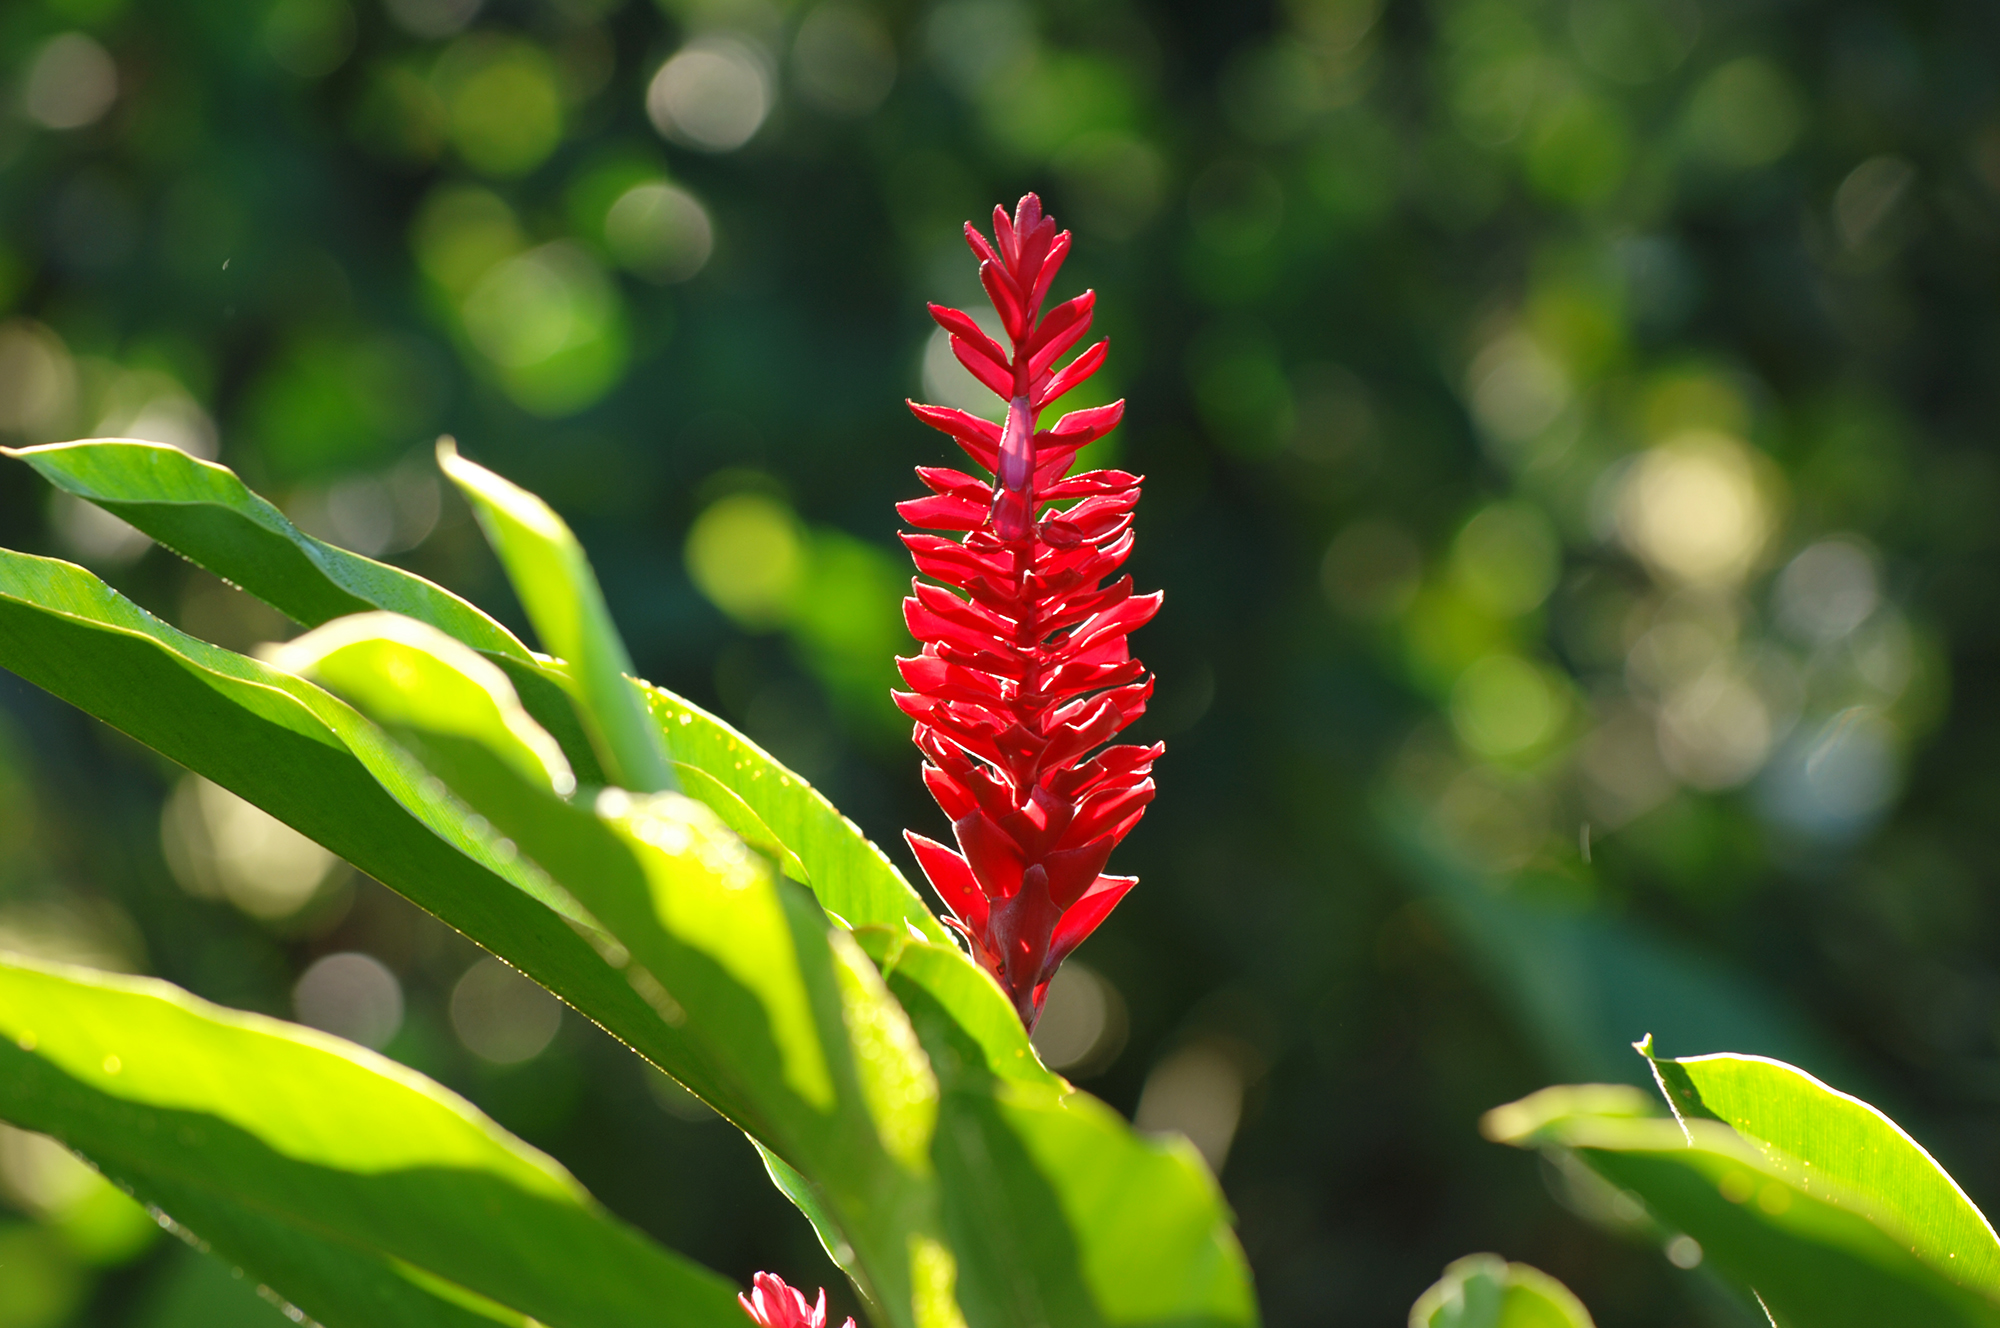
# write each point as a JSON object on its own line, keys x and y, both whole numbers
{"x": 1568, "y": 425}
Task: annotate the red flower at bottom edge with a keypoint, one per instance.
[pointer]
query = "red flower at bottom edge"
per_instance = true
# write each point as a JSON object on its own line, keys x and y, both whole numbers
{"x": 774, "y": 1305}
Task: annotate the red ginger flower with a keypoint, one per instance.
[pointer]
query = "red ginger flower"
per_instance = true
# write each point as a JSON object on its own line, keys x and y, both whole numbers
{"x": 772, "y": 1304}
{"x": 1027, "y": 673}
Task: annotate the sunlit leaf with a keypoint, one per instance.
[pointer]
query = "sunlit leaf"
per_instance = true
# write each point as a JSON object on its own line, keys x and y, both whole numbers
{"x": 1485, "y": 1291}
{"x": 203, "y": 512}
{"x": 309, "y": 760}
{"x": 1055, "y": 1209}
{"x": 1817, "y": 1256}
{"x": 366, "y": 1193}
{"x": 772, "y": 999}
{"x": 1060, "y": 1212}
{"x": 416, "y": 676}
{"x": 1167, "y": 1256}
{"x": 1816, "y": 1135}
{"x": 553, "y": 579}
{"x": 853, "y": 878}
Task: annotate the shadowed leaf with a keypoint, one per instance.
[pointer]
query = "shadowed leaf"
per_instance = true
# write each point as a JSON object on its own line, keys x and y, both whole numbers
{"x": 366, "y": 1193}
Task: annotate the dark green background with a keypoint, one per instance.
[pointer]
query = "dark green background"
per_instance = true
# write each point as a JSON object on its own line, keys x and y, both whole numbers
{"x": 1623, "y": 266}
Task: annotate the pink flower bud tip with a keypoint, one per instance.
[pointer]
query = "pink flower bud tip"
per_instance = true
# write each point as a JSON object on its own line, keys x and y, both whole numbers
{"x": 772, "y": 1304}
{"x": 1027, "y": 671}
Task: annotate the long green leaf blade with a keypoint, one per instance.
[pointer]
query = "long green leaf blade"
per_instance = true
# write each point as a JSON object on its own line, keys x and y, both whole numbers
{"x": 1061, "y": 1213}
{"x": 1058, "y": 1213}
{"x": 859, "y": 884}
{"x": 1819, "y": 1135}
{"x": 417, "y": 678}
{"x": 774, "y": 1000}
{"x": 206, "y": 514}
{"x": 203, "y": 512}
{"x": 852, "y": 877}
{"x": 304, "y": 1158}
{"x": 309, "y": 760}
{"x": 1817, "y": 1257}
{"x": 553, "y": 579}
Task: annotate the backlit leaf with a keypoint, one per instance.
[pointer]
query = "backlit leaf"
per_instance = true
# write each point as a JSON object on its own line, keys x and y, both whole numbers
{"x": 1817, "y": 1256}
{"x": 853, "y": 878}
{"x": 553, "y": 579}
{"x": 306, "y": 758}
{"x": 366, "y": 1193}
{"x": 1817, "y": 1135}
{"x": 1074, "y": 1166}
{"x": 1049, "y": 1200}
{"x": 205, "y": 513}
{"x": 1061, "y": 1213}
{"x": 773, "y": 1001}
{"x": 1485, "y": 1291}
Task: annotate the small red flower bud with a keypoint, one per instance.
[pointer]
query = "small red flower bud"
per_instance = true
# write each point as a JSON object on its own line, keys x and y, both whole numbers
{"x": 772, "y": 1304}
{"x": 1028, "y": 671}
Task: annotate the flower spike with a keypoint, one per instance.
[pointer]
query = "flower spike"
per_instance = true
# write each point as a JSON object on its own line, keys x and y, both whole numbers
{"x": 1026, "y": 671}
{"x": 772, "y": 1304}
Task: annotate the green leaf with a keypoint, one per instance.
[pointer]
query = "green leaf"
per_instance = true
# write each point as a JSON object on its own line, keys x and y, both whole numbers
{"x": 1057, "y": 1212}
{"x": 774, "y": 1002}
{"x": 852, "y": 877}
{"x": 203, "y": 512}
{"x": 1815, "y": 1255}
{"x": 957, "y": 1009}
{"x": 1061, "y": 1213}
{"x": 459, "y": 716}
{"x": 1485, "y": 1291}
{"x": 1182, "y": 1255}
{"x": 806, "y": 1197}
{"x": 1817, "y": 1135}
{"x": 195, "y": 1290}
{"x": 364, "y": 1191}
{"x": 416, "y": 677}
{"x": 553, "y": 579}
{"x": 737, "y": 814}
{"x": 309, "y": 760}
{"x": 1106, "y": 1226}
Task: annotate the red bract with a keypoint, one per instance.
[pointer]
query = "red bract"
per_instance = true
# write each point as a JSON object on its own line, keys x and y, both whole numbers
{"x": 772, "y": 1304}
{"x": 1027, "y": 672}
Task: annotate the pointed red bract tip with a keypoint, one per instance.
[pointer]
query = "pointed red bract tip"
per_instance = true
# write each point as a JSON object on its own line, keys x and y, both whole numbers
{"x": 772, "y": 1304}
{"x": 1027, "y": 670}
